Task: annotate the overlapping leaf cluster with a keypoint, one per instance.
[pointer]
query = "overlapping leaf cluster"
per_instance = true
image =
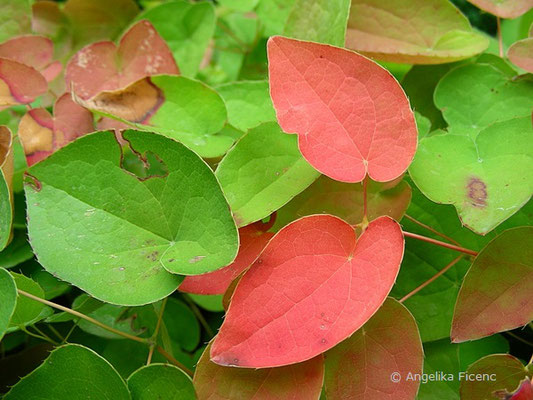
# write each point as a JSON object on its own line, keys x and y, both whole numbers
{"x": 265, "y": 199}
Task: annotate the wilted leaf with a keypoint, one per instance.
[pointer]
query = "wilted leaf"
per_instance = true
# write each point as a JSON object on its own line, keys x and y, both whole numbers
{"x": 496, "y": 292}
{"x": 103, "y": 66}
{"x": 6, "y": 187}
{"x": 312, "y": 287}
{"x": 521, "y": 54}
{"x": 162, "y": 382}
{"x": 41, "y": 134}
{"x": 132, "y": 229}
{"x": 345, "y": 200}
{"x": 81, "y": 372}
{"x": 253, "y": 239}
{"x": 187, "y": 28}
{"x": 507, "y": 370}
{"x": 322, "y": 21}
{"x": 413, "y": 32}
{"x": 15, "y": 18}
{"x": 351, "y": 116}
{"x": 504, "y": 8}
{"x": 299, "y": 381}
{"x": 361, "y": 367}
{"x": 19, "y": 83}
{"x": 8, "y": 300}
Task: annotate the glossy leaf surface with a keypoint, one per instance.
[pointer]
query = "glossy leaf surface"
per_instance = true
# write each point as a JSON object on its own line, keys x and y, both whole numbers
{"x": 162, "y": 382}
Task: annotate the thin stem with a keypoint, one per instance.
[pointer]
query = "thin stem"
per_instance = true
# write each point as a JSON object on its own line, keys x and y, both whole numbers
{"x": 519, "y": 339}
{"x": 500, "y": 38}
{"x": 199, "y": 315}
{"x": 244, "y": 46}
{"x": 35, "y": 335}
{"x": 439, "y": 243}
{"x": 429, "y": 228}
{"x": 365, "y": 200}
{"x": 156, "y": 331}
{"x": 44, "y": 334}
{"x": 54, "y": 330}
{"x": 433, "y": 278}
{"x": 83, "y": 316}
{"x": 174, "y": 361}
{"x": 70, "y": 332}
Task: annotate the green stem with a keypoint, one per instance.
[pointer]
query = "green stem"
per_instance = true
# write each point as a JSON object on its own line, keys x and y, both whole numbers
{"x": 199, "y": 315}
{"x": 54, "y": 330}
{"x": 38, "y": 336}
{"x": 156, "y": 331}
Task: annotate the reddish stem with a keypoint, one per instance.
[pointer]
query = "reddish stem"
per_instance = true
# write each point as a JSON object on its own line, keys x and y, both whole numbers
{"x": 439, "y": 243}
{"x": 500, "y": 39}
{"x": 429, "y": 228}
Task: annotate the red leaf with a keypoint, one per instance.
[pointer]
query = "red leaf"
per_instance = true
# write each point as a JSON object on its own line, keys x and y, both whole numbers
{"x": 19, "y": 83}
{"x": 351, "y": 115}
{"x": 253, "y": 240}
{"x": 103, "y": 66}
{"x": 294, "y": 382}
{"x": 504, "y": 8}
{"x": 312, "y": 287}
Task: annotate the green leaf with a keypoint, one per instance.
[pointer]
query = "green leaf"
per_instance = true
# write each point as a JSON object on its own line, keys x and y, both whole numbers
{"x": 15, "y": 18}
{"x": 134, "y": 230}
{"x": 211, "y": 303}
{"x": 239, "y": 5}
{"x": 27, "y": 311}
{"x": 322, "y": 21}
{"x": 84, "y": 304}
{"x": 485, "y": 177}
{"x": 446, "y": 358}
{"x": 71, "y": 371}
{"x": 248, "y": 103}
{"x": 6, "y": 190}
{"x": 162, "y": 382}
{"x": 263, "y": 172}
{"x": 187, "y": 28}
{"x": 8, "y": 300}
{"x": 273, "y": 15}
{"x": 181, "y": 323}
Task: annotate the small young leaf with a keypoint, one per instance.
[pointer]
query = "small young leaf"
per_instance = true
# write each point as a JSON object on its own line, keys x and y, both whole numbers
{"x": 312, "y": 287}
{"x": 391, "y": 344}
{"x": 134, "y": 230}
{"x": 504, "y": 8}
{"x": 6, "y": 188}
{"x": 162, "y": 382}
{"x": 414, "y": 32}
{"x": 521, "y": 54}
{"x": 496, "y": 292}
{"x": 81, "y": 373}
{"x": 299, "y": 381}
{"x": 263, "y": 172}
{"x": 351, "y": 116}
{"x": 8, "y": 300}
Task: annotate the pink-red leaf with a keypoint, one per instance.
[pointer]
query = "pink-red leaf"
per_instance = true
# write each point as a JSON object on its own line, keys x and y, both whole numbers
{"x": 294, "y": 382}
{"x": 103, "y": 66}
{"x": 19, "y": 83}
{"x": 361, "y": 367}
{"x": 351, "y": 115}
{"x": 253, "y": 239}
{"x": 521, "y": 54}
{"x": 504, "y": 8}
{"x": 312, "y": 287}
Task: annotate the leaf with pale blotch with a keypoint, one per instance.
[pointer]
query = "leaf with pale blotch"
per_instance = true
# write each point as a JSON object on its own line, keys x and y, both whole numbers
{"x": 187, "y": 28}
{"x": 273, "y": 15}
{"x": 504, "y": 8}
{"x": 82, "y": 373}
{"x": 8, "y": 300}
{"x": 390, "y": 343}
{"x": 496, "y": 292}
{"x": 6, "y": 187}
{"x": 181, "y": 108}
{"x": 27, "y": 311}
{"x": 507, "y": 370}
{"x": 19, "y": 83}
{"x": 263, "y": 172}
{"x": 15, "y": 18}
{"x": 162, "y": 382}
{"x": 248, "y": 103}
{"x": 486, "y": 178}
{"x": 253, "y": 239}
{"x": 41, "y": 133}
{"x": 314, "y": 285}
{"x": 351, "y": 116}
{"x": 34, "y": 51}
{"x": 521, "y": 54}
{"x": 345, "y": 200}
{"x": 104, "y": 66}
{"x": 299, "y": 381}
{"x": 322, "y": 21}
{"x": 414, "y": 32}
{"x": 134, "y": 230}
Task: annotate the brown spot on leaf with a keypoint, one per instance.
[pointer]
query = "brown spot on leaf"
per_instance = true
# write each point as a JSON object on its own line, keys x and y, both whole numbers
{"x": 477, "y": 192}
{"x": 196, "y": 259}
{"x": 153, "y": 255}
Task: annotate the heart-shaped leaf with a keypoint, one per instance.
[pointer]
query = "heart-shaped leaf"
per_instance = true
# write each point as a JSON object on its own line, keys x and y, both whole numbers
{"x": 486, "y": 178}
{"x": 263, "y": 172}
{"x": 41, "y": 134}
{"x": 8, "y": 300}
{"x": 187, "y": 29}
{"x": 506, "y": 370}
{"x": 521, "y": 54}
{"x": 496, "y": 292}
{"x": 414, "y": 32}
{"x": 6, "y": 191}
{"x": 162, "y": 382}
{"x": 19, "y": 83}
{"x": 504, "y": 8}
{"x": 103, "y": 66}
{"x": 392, "y": 349}
{"x": 81, "y": 372}
{"x": 345, "y": 200}
{"x": 300, "y": 381}
{"x": 351, "y": 116}
{"x": 312, "y": 287}
{"x": 253, "y": 239}
{"x": 133, "y": 230}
